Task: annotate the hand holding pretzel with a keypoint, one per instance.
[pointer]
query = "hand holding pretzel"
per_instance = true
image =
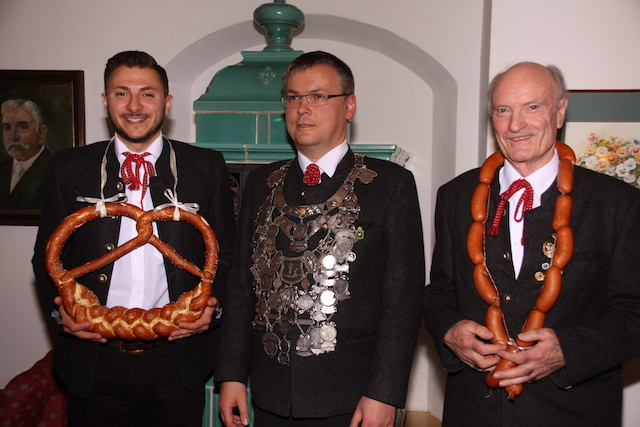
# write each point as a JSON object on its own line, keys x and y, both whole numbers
{"x": 82, "y": 305}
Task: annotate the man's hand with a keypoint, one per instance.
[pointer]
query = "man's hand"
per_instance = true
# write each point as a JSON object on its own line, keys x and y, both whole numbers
{"x": 463, "y": 340}
{"x": 536, "y": 362}
{"x": 233, "y": 395}
{"x": 373, "y": 413}
{"x": 200, "y": 325}
{"x": 78, "y": 329}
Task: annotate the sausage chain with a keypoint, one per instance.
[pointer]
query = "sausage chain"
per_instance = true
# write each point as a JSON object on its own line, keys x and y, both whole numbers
{"x": 485, "y": 285}
{"x": 119, "y": 322}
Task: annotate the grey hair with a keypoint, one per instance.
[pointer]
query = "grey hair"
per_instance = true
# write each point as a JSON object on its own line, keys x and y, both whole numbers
{"x": 30, "y": 106}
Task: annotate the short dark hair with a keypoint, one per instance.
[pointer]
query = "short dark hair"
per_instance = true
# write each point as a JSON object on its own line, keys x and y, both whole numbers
{"x": 311, "y": 59}
{"x": 135, "y": 59}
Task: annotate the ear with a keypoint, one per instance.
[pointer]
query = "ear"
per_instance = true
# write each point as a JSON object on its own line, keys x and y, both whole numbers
{"x": 167, "y": 104}
{"x": 104, "y": 103}
{"x": 562, "y": 110}
{"x": 351, "y": 106}
{"x": 42, "y": 132}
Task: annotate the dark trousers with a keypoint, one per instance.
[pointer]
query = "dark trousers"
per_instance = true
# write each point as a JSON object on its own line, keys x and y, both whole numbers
{"x": 263, "y": 418}
{"x": 137, "y": 390}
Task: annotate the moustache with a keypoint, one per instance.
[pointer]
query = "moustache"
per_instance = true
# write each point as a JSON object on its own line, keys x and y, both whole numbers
{"x": 16, "y": 143}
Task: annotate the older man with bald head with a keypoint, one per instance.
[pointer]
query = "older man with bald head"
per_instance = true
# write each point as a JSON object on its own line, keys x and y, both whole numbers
{"x": 534, "y": 273}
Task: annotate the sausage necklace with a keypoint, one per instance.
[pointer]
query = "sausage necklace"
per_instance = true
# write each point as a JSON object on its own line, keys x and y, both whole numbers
{"x": 484, "y": 283}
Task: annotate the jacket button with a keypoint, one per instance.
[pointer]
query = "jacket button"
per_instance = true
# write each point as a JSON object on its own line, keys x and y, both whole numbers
{"x": 119, "y": 186}
{"x": 506, "y": 255}
{"x": 507, "y": 297}
{"x": 102, "y": 278}
{"x": 109, "y": 246}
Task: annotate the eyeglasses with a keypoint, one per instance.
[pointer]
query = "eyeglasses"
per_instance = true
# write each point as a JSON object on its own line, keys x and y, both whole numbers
{"x": 314, "y": 99}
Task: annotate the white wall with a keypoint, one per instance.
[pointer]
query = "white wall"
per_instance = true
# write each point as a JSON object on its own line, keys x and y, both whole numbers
{"x": 470, "y": 39}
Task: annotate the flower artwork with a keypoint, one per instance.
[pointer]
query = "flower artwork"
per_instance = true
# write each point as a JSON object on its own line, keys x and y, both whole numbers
{"x": 612, "y": 150}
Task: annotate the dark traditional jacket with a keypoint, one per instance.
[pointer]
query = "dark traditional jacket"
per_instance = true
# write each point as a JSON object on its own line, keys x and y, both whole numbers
{"x": 202, "y": 178}
{"x": 28, "y": 193}
{"x": 376, "y": 327}
{"x": 597, "y": 312}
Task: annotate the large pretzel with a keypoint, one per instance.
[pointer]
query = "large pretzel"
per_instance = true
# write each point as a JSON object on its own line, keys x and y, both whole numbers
{"x": 119, "y": 322}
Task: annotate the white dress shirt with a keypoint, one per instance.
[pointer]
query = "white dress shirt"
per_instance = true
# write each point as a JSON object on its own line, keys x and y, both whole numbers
{"x": 139, "y": 278}
{"x": 540, "y": 181}
{"x": 327, "y": 163}
{"x": 20, "y": 167}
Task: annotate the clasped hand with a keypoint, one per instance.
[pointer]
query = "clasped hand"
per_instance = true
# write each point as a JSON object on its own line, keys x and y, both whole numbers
{"x": 533, "y": 364}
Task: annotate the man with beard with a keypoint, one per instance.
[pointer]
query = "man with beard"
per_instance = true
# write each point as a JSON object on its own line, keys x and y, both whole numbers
{"x": 115, "y": 382}
{"x": 23, "y": 175}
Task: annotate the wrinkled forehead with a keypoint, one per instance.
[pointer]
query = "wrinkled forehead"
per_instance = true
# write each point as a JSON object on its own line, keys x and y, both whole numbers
{"x": 535, "y": 82}
{"x": 17, "y": 115}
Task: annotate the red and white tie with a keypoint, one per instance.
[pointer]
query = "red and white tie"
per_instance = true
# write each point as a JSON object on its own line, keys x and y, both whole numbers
{"x": 131, "y": 172}
{"x": 526, "y": 201}
{"x": 312, "y": 175}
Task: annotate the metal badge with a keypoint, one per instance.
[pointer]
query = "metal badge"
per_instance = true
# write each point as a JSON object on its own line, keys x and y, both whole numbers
{"x": 314, "y": 336}
{"x": 328, "y": 261}
{"x": 549, "y": 249}
{"x": 310, "y": 261}
{"x": 303, "y": 346}
{"x": 328, "y": 297}
{"x": 305, "y": 302}
{"x": 366, "y": 176}
{"x": 292, "y": 270}
{"x": 274, "y": 300}
{"x": 271, "y": 343}
{"x": 328, "y": 332}
{"x": 285, "y": 326}
{"x": 288, "y": 296}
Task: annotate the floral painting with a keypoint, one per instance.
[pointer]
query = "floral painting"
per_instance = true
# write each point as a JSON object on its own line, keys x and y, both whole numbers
{"x": 610, "y": 148}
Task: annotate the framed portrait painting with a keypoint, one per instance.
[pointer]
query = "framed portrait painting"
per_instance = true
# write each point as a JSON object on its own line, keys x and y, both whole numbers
{"x": 603, "y": 129}
{"x": 42, "y": 112}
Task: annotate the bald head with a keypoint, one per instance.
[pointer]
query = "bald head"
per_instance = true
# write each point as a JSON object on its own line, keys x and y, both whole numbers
{"x": 528, "y": 103}
{"x": 540, "y": 71}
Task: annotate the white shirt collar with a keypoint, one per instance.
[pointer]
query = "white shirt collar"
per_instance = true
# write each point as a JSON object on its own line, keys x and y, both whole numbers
{"x": 327, "y": 163}
{"x": 26, "y": 164}
{"x": 540, "y": 180}
{"x": 155, "y": 149}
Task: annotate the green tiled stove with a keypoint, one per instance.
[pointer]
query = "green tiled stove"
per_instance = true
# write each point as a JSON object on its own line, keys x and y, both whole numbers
{"x": 241, "y": 114}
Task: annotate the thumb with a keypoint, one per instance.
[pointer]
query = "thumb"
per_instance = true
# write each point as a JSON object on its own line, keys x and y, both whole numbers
{"x": 244, "y": 414}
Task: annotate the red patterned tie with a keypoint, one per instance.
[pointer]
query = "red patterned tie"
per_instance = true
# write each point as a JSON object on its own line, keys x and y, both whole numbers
{"x": 131, "y": 172}
{"x": 312, "y": 175}
{"x": 526, "y": 199}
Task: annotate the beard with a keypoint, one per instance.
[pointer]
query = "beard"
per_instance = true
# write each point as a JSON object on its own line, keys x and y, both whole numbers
{"x": 153, "y": 130}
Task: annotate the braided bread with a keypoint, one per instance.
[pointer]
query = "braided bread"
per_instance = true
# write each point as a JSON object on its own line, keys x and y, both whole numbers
{"x": 119, "y": 322}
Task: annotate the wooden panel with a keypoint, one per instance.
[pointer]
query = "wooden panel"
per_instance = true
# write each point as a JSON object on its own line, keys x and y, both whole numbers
{"x": 421, "y": 419}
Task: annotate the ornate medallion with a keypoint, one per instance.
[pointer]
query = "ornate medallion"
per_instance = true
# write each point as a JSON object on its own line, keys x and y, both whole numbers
{"x": 302, "y": 292}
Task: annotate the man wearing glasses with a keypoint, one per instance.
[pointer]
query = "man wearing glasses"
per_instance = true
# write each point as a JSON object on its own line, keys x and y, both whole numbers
{"x": 323, "y": 307}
